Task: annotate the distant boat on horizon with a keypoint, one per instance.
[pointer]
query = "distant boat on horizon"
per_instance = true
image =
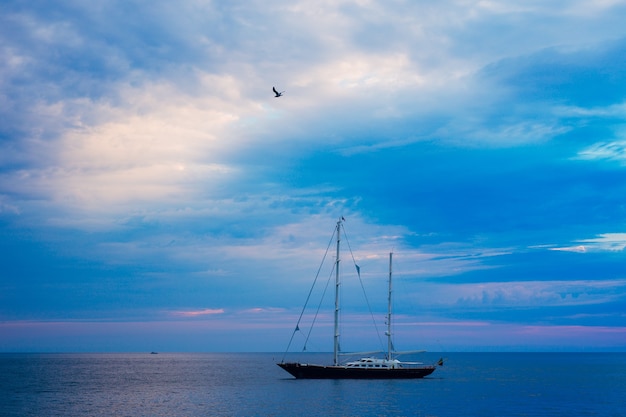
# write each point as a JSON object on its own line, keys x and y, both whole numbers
{"x": 388, "y": 367}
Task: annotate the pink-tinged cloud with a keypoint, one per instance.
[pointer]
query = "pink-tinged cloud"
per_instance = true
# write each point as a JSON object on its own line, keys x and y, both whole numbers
{"x": 196, "y": 313}
{"x": 259, "y": 310}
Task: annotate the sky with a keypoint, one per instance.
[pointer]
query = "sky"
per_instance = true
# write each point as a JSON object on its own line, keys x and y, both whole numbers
{"x": 156, "y": 196}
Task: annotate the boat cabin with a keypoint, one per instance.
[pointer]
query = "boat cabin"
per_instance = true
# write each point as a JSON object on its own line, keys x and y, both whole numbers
{"x": 373, "y": 363}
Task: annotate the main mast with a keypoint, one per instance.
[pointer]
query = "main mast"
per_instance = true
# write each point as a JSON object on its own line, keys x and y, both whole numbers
{"x": 337, "y": 283}
{"x": 389, "y": 339}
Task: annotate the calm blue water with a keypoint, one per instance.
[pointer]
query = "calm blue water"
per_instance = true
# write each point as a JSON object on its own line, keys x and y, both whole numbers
{"x": 470, "y": 384}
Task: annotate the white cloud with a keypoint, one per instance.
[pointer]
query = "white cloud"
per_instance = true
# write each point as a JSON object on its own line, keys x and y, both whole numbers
{"x": 611, "y": 151}
{"x": 197, "y": 313}
{"x": 614, "y": 242}
{"x": 158, "y": 145}
{"x": 611, "y": 242}
{"x": 502, "y": 135}
{"x": 578, "y": 249}
{"x": 614, "y": 110}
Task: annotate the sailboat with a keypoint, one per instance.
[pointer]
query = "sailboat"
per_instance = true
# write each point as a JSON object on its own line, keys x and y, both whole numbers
{"x": 388, "y": 367}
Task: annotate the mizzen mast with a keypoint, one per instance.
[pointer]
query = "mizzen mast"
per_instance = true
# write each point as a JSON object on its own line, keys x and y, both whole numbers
{"x": 388, "y": 332}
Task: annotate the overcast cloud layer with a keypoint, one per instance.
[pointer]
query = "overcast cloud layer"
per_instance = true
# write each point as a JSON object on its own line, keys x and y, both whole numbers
{"x": 154, "y": 195}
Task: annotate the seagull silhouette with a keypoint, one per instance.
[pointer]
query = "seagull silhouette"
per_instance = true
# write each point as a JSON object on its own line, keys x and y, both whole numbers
{"x": 277, "y": 93}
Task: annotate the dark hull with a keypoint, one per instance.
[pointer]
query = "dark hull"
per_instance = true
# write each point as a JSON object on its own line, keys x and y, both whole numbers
{"x": 306, "y": 371}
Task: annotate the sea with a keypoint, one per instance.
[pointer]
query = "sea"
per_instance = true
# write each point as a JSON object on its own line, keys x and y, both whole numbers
{"x": 250, "y": 384}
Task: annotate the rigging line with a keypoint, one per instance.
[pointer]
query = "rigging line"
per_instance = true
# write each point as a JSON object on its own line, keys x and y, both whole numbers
{"x": 319, "y": 306}
{"x": 308, "y": 297}
{"x": 367, "y": 301}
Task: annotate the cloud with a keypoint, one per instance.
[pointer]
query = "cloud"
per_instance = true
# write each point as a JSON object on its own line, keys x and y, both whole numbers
{"x": 609, "y": 151}
{"x": 578, "y": 249}
{"x": 524, "y": 294}
{"x": 611, "y": 242}
{"x": 146, "y": 152}
{"x": 608, "y": 242}
{"x": 263, "y": 310}
{"x": 197, "y": 313}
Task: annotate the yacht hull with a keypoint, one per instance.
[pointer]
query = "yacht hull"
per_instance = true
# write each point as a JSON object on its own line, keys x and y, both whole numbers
{"x": 308, "y": 371}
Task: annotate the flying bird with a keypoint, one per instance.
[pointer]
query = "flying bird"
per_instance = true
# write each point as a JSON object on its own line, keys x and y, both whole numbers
{"x": 277, "y": 93}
